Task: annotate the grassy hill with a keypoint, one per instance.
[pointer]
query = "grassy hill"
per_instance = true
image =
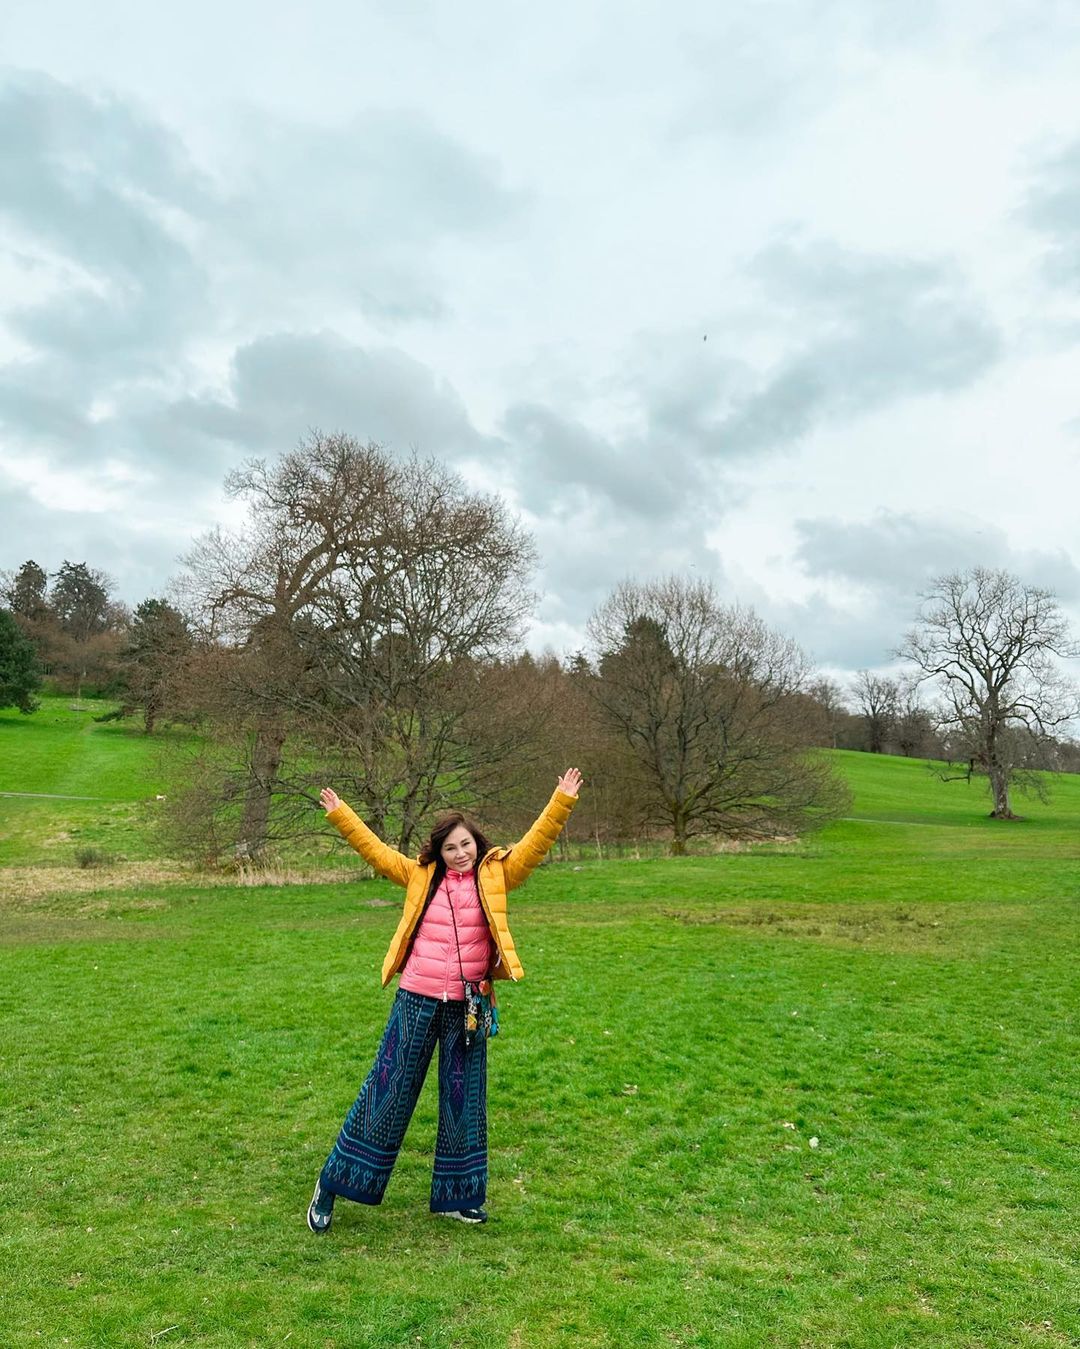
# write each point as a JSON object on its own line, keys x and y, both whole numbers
{"x": 68, "y": 781}
{"x": 80, "y": 782}
{"x": 911, "y": 791}
{"x": 817, "y": 1094}
{"x": 64, "y": 751}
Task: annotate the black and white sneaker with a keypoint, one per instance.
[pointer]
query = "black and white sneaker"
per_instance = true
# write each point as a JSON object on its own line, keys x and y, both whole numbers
{"x": 467, "y": 1215}
{"x": 320, "y": 1212}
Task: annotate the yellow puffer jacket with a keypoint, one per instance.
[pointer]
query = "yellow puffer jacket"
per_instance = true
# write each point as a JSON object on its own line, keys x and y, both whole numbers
{"x": 500, "y": 871}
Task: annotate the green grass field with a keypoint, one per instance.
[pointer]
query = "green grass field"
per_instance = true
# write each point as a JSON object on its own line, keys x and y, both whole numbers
{"x": 901, "y": 988}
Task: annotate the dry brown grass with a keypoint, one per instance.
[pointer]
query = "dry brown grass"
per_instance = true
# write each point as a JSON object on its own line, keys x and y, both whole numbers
{"x": 245, "y": 874}
{"x": 27, "y": 885}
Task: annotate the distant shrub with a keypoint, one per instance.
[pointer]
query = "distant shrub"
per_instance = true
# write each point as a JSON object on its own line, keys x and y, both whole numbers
{"x": 94, "y": 857}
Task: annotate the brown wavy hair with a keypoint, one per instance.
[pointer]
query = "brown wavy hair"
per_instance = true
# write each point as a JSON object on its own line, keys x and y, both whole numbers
{"x": 443, "y": 828}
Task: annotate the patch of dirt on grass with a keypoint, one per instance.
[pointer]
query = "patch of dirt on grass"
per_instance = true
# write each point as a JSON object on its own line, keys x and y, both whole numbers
{"x": 100, "y": 907}
{"x": 1046, "y": 1330}
{"x": 893, "y": 928}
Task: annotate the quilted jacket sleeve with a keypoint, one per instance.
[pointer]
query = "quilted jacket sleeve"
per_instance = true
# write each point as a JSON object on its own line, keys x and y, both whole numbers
{"x": 530, "y": 851}
{"x": 387, "y": 861}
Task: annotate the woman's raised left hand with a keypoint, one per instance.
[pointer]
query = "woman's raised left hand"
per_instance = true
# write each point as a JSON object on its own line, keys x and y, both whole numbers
{"x": 570, "y": 782}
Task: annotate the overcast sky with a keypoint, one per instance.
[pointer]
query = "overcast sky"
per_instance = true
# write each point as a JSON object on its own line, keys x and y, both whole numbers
{"x": 784, "y": 294}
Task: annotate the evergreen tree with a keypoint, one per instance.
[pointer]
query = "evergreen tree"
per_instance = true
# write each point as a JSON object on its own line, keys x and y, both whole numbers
{"x": 20, "y": 677}
{"x": 80, "y": 600}
{"x": 157, "y": 643}
{"x": 26, "y": 594}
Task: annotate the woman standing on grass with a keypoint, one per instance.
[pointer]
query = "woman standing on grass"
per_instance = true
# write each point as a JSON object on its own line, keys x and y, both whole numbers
{"x": 453, "y": 929}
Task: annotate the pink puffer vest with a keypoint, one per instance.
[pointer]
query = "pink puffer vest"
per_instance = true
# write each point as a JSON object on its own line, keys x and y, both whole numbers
{"x": 432, "y": 967}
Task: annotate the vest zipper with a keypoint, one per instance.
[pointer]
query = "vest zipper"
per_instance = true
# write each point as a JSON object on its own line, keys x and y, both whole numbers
{"x": 446, "y": 967}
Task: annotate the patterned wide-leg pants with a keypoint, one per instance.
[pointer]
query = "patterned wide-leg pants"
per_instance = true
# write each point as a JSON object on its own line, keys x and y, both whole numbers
{"x": 363, "y": 1157}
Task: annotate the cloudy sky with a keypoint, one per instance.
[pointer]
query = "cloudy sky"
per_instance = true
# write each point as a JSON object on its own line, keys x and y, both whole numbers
{"x": 783, "y": 293}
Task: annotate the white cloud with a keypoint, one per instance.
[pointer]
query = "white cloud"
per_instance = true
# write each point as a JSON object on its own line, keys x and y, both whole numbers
{"x": 784, "y": 295}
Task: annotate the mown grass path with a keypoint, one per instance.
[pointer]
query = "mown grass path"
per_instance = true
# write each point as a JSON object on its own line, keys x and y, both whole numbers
{"x": 176, "y": 1060}
{"x": 52, "y": 796}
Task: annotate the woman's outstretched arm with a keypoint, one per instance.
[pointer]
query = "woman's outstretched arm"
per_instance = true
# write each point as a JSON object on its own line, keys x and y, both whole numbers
{"x": 387, "y": 861}
{"x": 530, "y": 851}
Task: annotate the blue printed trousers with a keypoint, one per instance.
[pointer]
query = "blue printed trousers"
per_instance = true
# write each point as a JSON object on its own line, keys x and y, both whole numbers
{"x": 363, "y": 1157}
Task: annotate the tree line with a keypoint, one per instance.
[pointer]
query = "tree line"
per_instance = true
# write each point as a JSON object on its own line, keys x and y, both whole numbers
{"x": 68, "y": 628}
{"x": 364, "y": 626}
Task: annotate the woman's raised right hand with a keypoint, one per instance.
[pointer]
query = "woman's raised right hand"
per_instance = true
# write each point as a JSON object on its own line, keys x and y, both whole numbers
{"x": 330, "y": 799}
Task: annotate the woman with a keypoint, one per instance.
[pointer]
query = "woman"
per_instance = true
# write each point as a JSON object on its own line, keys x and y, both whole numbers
{"x": 453, "y": 928}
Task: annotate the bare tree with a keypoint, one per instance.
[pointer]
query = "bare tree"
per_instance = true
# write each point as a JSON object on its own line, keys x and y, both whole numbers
{"x": 913, "y": 726}
{"x": 354, "y": 609}
{"x": 831, "y": 706}
{"x": 407, "y": 643}
{"x": 521, "y": 717}
{"x": 991, "y": 645}
{"x": 617, "y": 809}
{"x": 259, "y": 590}
{"x": 876, "y": 697}
{"x": 706, "y": 698}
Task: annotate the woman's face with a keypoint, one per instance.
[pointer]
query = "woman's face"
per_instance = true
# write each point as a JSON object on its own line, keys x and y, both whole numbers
{"x": 459, "y": 850}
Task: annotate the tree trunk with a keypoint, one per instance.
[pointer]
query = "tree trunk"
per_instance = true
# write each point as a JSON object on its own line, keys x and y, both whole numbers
{"x": 678, "y": 834}
{"x": 999, "y": 789}
{"x": 374, "y": 816}
{"x": 997, "y": 772}
{"x": 265, "y": 762}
